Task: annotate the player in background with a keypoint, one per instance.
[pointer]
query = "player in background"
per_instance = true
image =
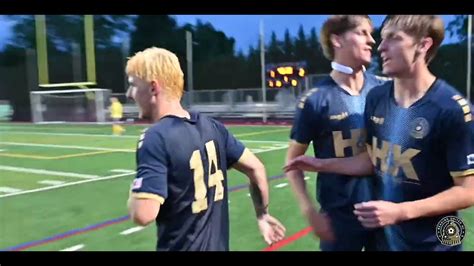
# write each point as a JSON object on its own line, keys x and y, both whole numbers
{"x": 420, "y": 144}
{"x": 116, "y": 113}
{"x": 331, "y": 117}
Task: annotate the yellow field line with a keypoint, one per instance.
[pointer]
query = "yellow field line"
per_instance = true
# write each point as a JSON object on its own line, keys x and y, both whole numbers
{"x": 16, "y": 155}
{"x": 81, "y": 154}
{"x": 261, "y": 132}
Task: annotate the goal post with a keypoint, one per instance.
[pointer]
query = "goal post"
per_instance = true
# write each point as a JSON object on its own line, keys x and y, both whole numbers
{"x": 63, "y": 106}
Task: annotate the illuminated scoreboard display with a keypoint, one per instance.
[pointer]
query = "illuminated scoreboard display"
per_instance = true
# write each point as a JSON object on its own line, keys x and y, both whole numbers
{"x": 285, "y": 75}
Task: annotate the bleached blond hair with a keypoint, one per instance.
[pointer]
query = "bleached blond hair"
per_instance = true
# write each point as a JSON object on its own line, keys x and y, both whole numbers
{"x": 161, "y": 65}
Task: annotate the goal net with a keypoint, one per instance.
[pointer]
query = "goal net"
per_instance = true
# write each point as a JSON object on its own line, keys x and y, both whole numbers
{"x": 78, "y": 105}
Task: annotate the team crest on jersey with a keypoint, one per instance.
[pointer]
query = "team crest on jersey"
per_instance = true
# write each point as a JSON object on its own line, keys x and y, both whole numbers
{"x": 450, "y": 231}
{"x": 419, "y": 128}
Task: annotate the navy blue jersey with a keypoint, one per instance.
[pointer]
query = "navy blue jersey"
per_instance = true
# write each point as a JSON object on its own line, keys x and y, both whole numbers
{"x": 183, "y": 164}
{"x": 333, "y": 120}
{"x": 417, "y": 151}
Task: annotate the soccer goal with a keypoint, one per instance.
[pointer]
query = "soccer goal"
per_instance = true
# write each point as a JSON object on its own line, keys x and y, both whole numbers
{"x": 63, "y": 106}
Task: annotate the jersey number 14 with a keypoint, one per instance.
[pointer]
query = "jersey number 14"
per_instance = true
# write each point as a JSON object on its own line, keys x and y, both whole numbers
{"x": 215, "y": 179}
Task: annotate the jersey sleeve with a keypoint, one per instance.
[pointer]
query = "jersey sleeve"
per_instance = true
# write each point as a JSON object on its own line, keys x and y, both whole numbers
{"x": 233, "y": 147}
{"x": 152, "y": 168}
{"x": 304, "y": 127}
{"x": 460, "y": 140}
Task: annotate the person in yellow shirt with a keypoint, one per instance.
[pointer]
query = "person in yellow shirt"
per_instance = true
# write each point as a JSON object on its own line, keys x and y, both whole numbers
{"x": 116, "y": 113}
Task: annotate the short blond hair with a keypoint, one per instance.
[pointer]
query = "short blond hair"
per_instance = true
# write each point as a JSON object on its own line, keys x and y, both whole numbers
{"x": 420, "y": 26}
{"x": 338, "y": 24}
{"x": 160, "y": 65}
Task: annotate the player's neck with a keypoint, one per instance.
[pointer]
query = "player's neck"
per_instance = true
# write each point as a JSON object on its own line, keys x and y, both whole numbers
{"x": 170, "y": 107}
{"x": 408, "y": 90}
{"x": 352, "y": 83}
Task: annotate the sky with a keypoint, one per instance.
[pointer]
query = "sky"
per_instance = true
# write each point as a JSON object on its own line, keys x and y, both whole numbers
{"x": 245, "y": 28}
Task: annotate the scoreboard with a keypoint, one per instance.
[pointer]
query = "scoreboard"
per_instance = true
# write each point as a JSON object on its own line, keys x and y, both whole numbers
{"x": 285, "y": 75}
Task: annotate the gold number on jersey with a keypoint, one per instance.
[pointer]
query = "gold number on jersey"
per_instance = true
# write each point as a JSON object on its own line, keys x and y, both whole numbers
{"x": 215, "y": 178}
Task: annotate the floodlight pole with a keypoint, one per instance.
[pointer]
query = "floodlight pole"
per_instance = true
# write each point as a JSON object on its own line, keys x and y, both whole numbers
{"x": 189, "y": 60}
{"x": 469, "y": 44}
{"x": 262, "y": 63}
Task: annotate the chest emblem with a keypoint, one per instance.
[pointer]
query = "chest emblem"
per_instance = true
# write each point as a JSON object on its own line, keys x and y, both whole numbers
{"x": 419, "y": 128}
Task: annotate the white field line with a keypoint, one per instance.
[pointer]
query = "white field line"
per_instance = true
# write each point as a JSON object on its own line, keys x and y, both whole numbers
{"x": 70, "y": 134}
{"x": 9, "y": 190}
{"x": 265, "y": 141}
{"x": 132, "y": 230}
{"x": 65, "y": 185}
{"x": 122, "y": 171}
{"x": 45, "y": 172}
{"x": 64, "y": 146}
{"x": 281, "y": 185}
{"x": 255, "y": 150}
{"x": 51, "y": 182}
{"x": 73, "y": 248}
{"x": 273, "y": 149}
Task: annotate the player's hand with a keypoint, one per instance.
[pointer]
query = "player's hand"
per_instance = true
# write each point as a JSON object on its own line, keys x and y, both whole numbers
{"x": 304, "y": 163}
{"x": 271, "y": 229}
{"x": 321, "y": 225}
{"x": 373, "y": 214}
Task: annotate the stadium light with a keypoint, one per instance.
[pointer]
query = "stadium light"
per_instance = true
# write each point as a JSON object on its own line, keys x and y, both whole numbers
{"x": 301, "y": 72}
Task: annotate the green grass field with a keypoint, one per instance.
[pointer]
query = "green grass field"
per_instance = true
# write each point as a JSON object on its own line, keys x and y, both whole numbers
{"x": 66, "y": 187}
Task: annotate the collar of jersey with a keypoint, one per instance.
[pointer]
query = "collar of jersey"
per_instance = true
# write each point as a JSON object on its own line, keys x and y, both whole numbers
{"x": 193, "y": 117}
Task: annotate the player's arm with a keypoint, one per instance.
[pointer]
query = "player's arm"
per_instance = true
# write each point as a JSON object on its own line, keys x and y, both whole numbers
{"x": 149, "y": 189}
{"x": 302, "y": 133}
{"x": 319, "y": 222}
{"x": 458, "y": 197}
{"x": 382, "y": 213}
{"x": 143, "y": 211}
{"x": 296, "y": 176}
{"x": 358, "y": 165}
{"x": 271, "y": 229}
{"x": 253, "y": 168}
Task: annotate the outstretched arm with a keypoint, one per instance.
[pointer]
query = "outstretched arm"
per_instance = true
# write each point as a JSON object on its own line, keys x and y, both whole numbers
{"x": 271, "y": 229}
{"x": 319, "y": 222}
{"x": 358, "y": 165}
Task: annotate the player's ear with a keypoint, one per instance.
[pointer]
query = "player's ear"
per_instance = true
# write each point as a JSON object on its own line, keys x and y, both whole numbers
{"x": 425, "y": 44}
{"x": 155, "y": 88}
{"x": 335, "y": 40}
